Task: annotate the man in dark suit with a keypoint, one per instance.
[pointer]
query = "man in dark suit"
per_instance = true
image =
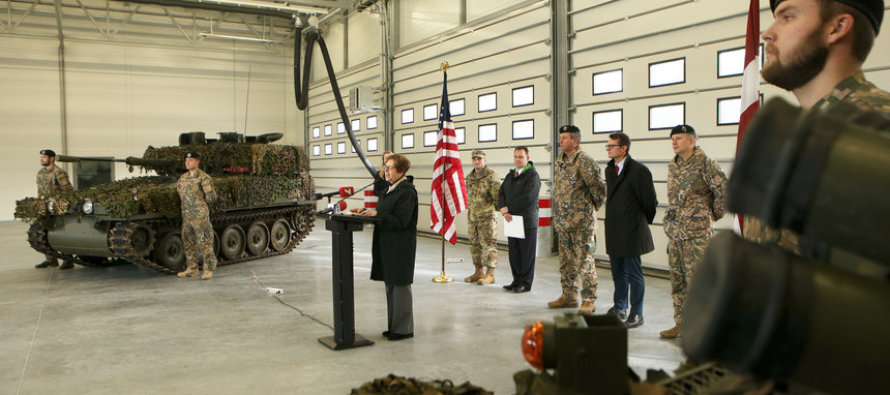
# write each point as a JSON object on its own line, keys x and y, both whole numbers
{"x": 519, "y": 196}
{"x": 630, "y": 208}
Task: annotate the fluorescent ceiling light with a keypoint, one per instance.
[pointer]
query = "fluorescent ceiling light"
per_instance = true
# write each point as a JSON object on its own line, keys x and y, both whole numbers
{"x": 268, "y": 6}
{"x": 225, "y": 36}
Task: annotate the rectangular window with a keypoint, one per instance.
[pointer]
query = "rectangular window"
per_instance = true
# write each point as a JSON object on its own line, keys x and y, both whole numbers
{"x": 430, "y": 138}
{"x": 408, "y": 140}
{"x": 608, "y": 82}
{"x": 524, "y": 96}
{"x": 610, "y": 121}
{"x": 341, "y": 148}
{"x": 356, "y": 125}
{"x": 372, "y": 144}
{"x": 430, "y": 112}
{"x": 328, "y": 149}
{"x": 729, "y": 110}
{"x": 524, "y": 129}
{"x": 666, "y": 116}
{"x": 341, "y": 128}
{"x": 488, "y": 102}
{"x": 408, "y": 115}
{"x": 488, "y": 132}
{"x": 327, "y": 130}
{"x": 91, "y": 173}
{"x": 731, "y": 62}
{"x": 461, "y": 134}
{"x": 669, "y": 72}
{"x": 457, "y": 107}
{"x": 372, "y": 122}
{"x": 316, "y": 132}
{"x": 316, "y": 150}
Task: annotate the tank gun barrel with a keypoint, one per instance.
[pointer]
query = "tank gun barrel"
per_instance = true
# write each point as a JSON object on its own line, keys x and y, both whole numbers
{"x": 130, "y": 160}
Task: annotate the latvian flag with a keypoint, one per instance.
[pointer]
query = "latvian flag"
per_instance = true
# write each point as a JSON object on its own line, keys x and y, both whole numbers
{"x": 449, "y": 192}
{"x": 750, "y": 80}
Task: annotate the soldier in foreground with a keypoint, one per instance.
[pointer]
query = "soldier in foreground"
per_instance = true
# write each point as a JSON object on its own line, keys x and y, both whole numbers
{"x": 482, "y": 187}
{"x": 696, "y": 199}
{"x": 195, "y": 192}
{"x": 578, "y": 192}
{"x": 51, "y": 182}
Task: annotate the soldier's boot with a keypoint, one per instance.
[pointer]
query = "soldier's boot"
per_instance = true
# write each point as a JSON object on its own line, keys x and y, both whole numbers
{"x": 562, "y": 302}
{"x": 66, "y": 265}
{"x": 208, "y": 274}
{"x": 672, "y": 333}
{"x": 192, "y": 272}
{"x": 587, "y": 308}
{"x": 475, "y": 276}
{"x": 489, "y": 277}
{"x": 46, "y": 264}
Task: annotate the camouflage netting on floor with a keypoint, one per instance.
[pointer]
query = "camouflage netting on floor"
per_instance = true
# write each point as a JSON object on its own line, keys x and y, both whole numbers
{"x": 157, "y": 195}
{"x": 395, "y": 385}
{"x": 227, "y": 158}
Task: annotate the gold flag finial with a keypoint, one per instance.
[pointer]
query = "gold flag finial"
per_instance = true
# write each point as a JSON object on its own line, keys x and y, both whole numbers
{"x": 443, "y": 67}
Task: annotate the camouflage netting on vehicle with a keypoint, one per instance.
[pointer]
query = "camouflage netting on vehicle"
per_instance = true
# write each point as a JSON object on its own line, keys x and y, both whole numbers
{"x": 229, "y": 158}
{"x": 395, "y": 385}
{"x": 158, "y": 195}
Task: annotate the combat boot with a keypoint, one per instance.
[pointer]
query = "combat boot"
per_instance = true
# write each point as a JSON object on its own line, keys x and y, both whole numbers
{"x": 587, "y": 308}
{"x": 46, "y": 264}
{"x": 208, "y": 274}
{"x": 672, "y": 333}
{"x": 489, "y": 277}
{"x": 66, "y": 265}
{"x": 562, "y": 302}
{"x": 188, "y": 273}
{"x": 476, "y": 276}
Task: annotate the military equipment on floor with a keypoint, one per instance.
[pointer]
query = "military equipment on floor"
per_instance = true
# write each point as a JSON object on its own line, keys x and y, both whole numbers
{"x": 265, "y": 206}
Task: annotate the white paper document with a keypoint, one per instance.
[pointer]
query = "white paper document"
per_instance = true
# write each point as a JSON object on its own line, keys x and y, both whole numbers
{"x": 514, "y": 228}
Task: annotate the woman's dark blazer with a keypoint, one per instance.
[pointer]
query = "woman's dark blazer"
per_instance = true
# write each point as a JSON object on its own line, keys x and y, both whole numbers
{"x": 395, "y": 236}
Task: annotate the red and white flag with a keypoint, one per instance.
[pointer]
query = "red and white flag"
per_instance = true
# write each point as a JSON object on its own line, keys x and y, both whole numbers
{"x": 750, "y": 80}
{"x": 449, "y": 192}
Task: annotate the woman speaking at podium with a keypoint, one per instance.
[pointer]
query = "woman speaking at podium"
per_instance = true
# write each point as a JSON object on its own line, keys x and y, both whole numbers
{"x": 394, "y": 245}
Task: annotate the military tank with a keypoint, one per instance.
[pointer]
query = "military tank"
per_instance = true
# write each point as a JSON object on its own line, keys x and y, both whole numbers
{"x": 265, "y": 206}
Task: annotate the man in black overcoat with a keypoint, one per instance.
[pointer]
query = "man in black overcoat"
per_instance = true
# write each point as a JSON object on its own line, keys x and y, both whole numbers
{"x": 630, "y": 208}
{"x": 519, "y": 196}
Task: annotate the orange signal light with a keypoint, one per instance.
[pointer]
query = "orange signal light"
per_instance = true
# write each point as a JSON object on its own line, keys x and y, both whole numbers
{"x": 533, "y": 345}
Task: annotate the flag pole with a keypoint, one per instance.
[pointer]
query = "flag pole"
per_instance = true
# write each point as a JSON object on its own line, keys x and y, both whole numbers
{"x": 442, "y": 278}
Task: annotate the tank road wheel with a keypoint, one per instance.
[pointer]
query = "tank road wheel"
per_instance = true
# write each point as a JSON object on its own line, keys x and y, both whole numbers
{"x": 141, "y": 240}
{"x": 280, "y": 235}
{"x": 257, "y": 238}
{"x": 170, "y": 252}
{"x": 232, "y": 242}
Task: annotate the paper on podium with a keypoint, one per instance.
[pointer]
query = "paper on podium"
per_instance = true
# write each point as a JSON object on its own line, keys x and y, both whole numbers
{"x": 514, "y": 228}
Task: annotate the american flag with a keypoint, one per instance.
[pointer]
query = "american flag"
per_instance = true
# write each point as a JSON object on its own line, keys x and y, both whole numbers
{"x": 449, "y": 192}
{"x": 750, "y": 79}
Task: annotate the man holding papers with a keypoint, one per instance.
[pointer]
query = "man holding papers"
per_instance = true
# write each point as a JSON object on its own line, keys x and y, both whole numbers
{"x": 518, "y": 201}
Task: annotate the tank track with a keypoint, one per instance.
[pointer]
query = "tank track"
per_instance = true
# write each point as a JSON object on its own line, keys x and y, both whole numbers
{"x": 37, "y": 238}
{"x": 119, "y": 241}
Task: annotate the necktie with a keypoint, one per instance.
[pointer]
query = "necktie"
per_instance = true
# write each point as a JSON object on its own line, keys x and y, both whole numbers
{"x": 617, "y": 171}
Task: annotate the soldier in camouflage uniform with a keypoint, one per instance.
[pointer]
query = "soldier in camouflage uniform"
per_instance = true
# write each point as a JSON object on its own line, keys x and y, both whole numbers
{"x": 482, "y": 187}
{"x": 696, "y": 199}
{"x": 195, "y": 193}
{"x": 578, "y": 193}
{"x": 51, "y": 182}
{"x": 821, "y": 73}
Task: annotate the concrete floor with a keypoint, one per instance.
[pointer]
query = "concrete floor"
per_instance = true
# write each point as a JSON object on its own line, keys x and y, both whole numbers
{"x": 130, "y": 330}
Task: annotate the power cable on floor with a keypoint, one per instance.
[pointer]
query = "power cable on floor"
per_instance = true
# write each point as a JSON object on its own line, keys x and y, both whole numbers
{"x": 302, "y": 314}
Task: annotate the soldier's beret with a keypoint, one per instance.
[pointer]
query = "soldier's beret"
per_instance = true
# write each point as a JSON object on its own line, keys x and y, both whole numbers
{"x": 569, "y": 129}
{"x": 47, "y": 152}
{"x": 872, "y": 9}
{"x": 683, "y": 129}
{"x": 193, "y": 155}
{"x": 477, "y": 153}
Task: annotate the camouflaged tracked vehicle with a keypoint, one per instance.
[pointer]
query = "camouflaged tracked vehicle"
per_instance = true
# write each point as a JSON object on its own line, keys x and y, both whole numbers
{"x": 265, "y": 206}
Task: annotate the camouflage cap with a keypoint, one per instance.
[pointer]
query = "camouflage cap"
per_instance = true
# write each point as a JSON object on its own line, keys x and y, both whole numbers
{"x": 193, "y": 155}
{"x": 872, "y": 9}
{"x": 683, "y": 129}
{"x": 569, "y": 129}
{"x": 477, "y": 153}
{"x": 47, "y": 152}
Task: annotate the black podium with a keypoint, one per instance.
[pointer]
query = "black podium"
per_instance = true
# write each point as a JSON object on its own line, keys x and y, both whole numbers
{"x": 341, "y": 227}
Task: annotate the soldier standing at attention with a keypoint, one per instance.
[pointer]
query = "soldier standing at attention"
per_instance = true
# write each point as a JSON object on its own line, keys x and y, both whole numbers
{"x": 482, "y": 187}
{"x": 578, "y": 192}
{"x": 696, "y": 190}
{"x": 51, "y": 182}
{"x": 195, "y": 192}
{"x": 815, "y": 49}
